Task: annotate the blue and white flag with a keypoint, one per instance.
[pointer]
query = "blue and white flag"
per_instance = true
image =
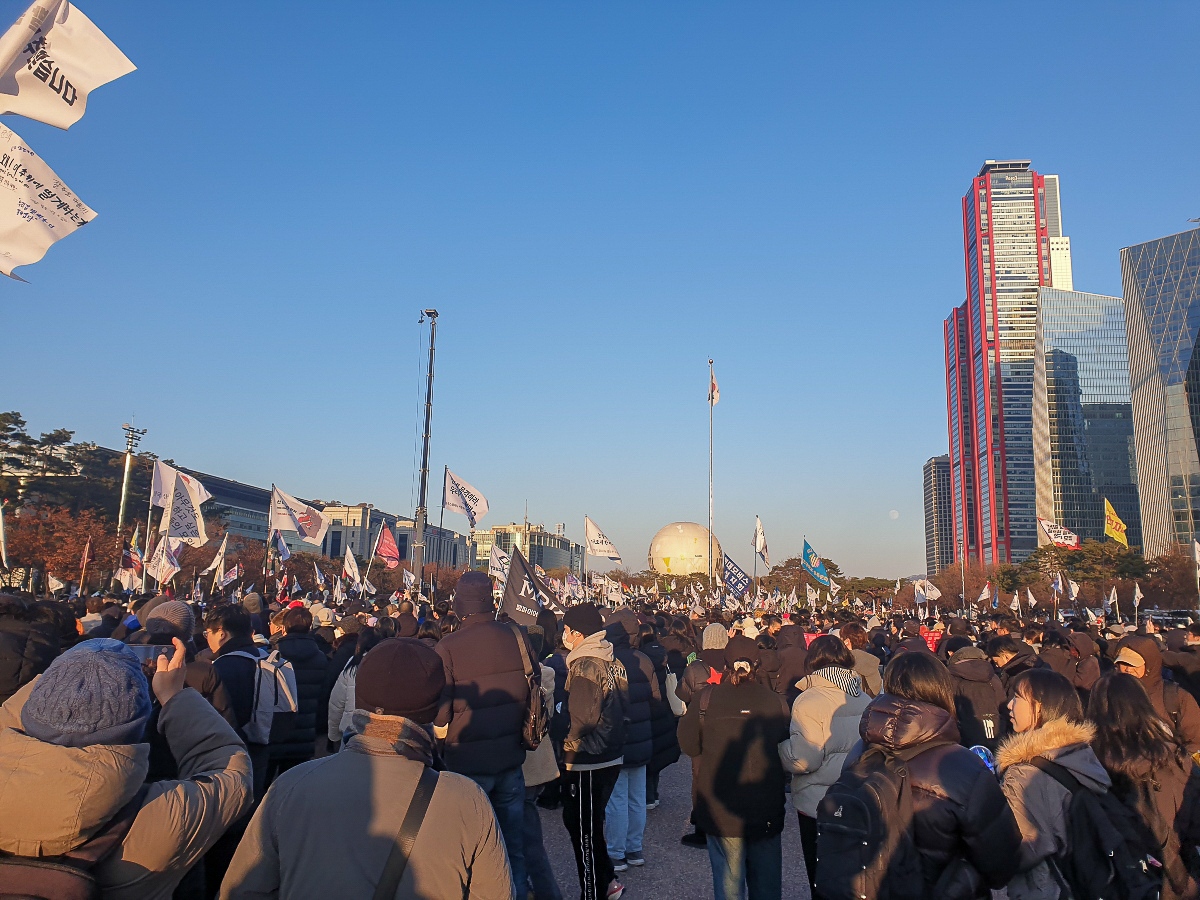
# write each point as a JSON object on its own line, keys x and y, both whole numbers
{"x": 814, "y": 565}
{"x": 737, "y": 582}
{"x": 1056, "y": 584}
{"x": 281, "y": 545}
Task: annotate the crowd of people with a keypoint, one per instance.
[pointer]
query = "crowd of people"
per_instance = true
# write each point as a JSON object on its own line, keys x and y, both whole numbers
{"x": 248, "y": 748}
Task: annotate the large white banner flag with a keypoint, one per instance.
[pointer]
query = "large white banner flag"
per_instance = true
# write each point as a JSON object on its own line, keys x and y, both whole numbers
{"x": 52, "y": 58}
{"x": 36, "y": 208}
{"x": 350, "y": 567}
{"x": 220, "y": 557}
{"x": 289, "y": 514}
{"x": 760, "y": 542}
{"x": 461, "y": 497}
{"x": 162, "y": 483}
{"x": 597, "y": 543}
{"x": 163, "y": 565}
{"x": 498, "y": 564}
{"x": 182, "y": 513}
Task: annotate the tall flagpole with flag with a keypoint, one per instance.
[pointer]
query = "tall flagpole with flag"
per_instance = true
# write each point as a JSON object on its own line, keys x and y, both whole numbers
{"x": 714, "y": 395}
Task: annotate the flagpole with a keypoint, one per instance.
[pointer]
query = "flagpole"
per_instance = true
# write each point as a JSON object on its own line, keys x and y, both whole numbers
{"x": 710, "y": 475}
{"x": 441, "y": 519}
{"x": 585, "y": 580}
{"x": 149, "y": 516}
{"x": 418, "y": 549}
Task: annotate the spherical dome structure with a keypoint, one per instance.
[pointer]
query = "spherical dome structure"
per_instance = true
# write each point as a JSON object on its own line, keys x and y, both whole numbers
{"x": 681, "y": 548}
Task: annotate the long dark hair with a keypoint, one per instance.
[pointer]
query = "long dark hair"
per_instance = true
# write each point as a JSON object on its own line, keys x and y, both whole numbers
{"x": 1129, "y": 731}
{"x": 645, "y": 635}
{"x": 368, "y": 637}
{"x": 1050, "y": 694}
{"x": 682, "y": 629}
{"x": 921, "y": 677}
{"x": 828, "y": 650}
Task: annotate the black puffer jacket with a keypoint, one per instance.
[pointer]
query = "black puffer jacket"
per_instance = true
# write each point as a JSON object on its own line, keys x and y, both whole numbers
{"x": 30, "y": 639}
{"x": 979, "y": 699}
{"x": 310, "y": 665}
{"x": 662, "y": 719}
{"x": 596, "y": 691}
{"x": 1024, "y": 660}
{"x": 792, "y": 648}
{"x": 485, "y": 698}
{"x": 643, "y": 689}
{"x": 964, "y": 828}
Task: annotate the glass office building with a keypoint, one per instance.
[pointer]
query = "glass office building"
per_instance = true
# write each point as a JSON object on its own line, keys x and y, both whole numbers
{"x": 939, "y": 515}
{"x": 1161, "y": 281}
{"x": 1083, "y": 414}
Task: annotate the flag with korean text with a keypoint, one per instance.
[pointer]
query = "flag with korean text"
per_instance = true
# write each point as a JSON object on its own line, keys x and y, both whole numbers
{"x": 498, "y": 563}
{"x": 1059, "y": 536}
{"x": 1113, "y": 526}
{"x": 815, "y": 566}
{"x": 163, "y": 564}
{"x": 51, "y": 59}
{"x": 524, "y": 593}
{"x": 460, "y": 497}
{"x": 737, "y": 581}
{"x": 230, "y": 577}
{"x": 289, "y": 514}
{"x": 597, "y": 543}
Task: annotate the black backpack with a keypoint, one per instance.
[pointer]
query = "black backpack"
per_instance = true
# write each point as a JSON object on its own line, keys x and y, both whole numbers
{"x": 865, "y": 845}
{"x": 1112, "y": 854}
{"x": 68, "y": 877}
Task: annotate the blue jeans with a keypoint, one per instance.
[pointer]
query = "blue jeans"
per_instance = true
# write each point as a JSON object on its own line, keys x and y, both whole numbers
{"x": 737, "y": 862}
{"x": 537, "y": 864}
{"x": 625, "y": 815}
{"x": 507, "y": 793}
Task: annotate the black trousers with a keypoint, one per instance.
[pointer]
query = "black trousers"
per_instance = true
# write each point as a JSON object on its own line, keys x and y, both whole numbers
{"x": 808, "y": 843}
{"x": 585, "y": 795}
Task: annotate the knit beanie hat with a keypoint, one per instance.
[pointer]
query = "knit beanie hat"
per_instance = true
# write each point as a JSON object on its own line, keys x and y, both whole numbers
{"x": 400, "y": 677}
{"x": 473, "y": 594}
{"x": 714, "y": 637}
{"x": 584, "y": 618}
{"x": 174, "y": 618}
{"x": 252, "y": 603}
{"x": 95, "y": 693}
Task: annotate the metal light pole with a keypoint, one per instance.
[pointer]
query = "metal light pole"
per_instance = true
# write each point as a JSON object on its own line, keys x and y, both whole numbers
{"x": 132, "y": 437}
{"x": 418, "y": 558}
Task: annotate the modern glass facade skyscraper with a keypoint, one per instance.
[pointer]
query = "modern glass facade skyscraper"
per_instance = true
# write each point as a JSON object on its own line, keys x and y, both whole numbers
{"x": 939, "y": 521}
{"x": 1083, "y": 414}
{"x": 1161, "y": 281}
{"x": 1010, "y": 215}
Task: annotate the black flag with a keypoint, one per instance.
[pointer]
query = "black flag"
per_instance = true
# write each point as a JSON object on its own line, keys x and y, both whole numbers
{"x": 524, "y": 594}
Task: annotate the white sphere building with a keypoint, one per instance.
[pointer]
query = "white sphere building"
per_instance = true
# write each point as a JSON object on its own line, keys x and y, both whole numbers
{"x": 681, "y": 548}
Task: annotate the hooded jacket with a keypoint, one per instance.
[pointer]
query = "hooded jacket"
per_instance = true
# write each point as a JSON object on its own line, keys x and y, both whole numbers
{"x": 56, "y": 798}
{"x": 662, "y": 719}
{"x": 1023, "y": 660}
{"x": 643, "y": 689}
{"x": 792, "y": 648}
{"x": 1187, "y": 720}
{"x": 310, "y": 666}
{"x": 964, "y": 829}
{"x": 29, "y": 641}
{"x": 1040, "y": 803}
{"x": 824, "y": 728}
{"x": 596, "y": 687}
{"x": 979, "y": 698}
{"x": 327, "y": 827}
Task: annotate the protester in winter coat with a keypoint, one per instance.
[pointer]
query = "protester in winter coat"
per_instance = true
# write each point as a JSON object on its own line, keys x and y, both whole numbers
{"x": 707, "y": 668}
{"x": 1086, "y": 664}
{"x": 72, "y": 759}
{"x": 483, "y": 708}
{"x": 311, "y": 838}
{"x": 824, "y": 727}
{"x": 1048, "y": 723}
{"x": 341, "y": 698}
{"x": 30, "y": 639}
{"x": 540, "y": 768}
{"x": 680, "y": 644}
{"x": 298, "y": 647}
{"x": 963, "y": 827}
{"x": 734, "y": 732}
{"x": 1151, "y": 773}
{"x": 1138, "y": 655}
{"x": 866, "y": 664}
{"x": 792, "y": 648}
{"x": 592, "y": 749}
{"x": 1011, "y": 657}
{"x": 665, "y": 743}
{"x": 980, "y": 700}
{"x": 625, "y": 815}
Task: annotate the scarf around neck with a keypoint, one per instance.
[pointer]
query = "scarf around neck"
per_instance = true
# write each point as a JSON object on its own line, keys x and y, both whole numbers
{"x": 845, "y": 679}
{"x": 377, "y": 734}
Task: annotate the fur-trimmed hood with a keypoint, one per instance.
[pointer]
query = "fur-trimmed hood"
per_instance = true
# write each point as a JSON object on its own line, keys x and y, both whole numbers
{"x": 1060, "y": 741}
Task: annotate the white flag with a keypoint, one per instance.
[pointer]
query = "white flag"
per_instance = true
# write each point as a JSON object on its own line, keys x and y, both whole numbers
{"x": 1112, "y": 598}
{"x": 52, "y": 58}
{"x": 163, "y": 565}
{"x": 410, "y": 579}
{"x": 1029, "y": 598}
{"x": 182, "y": 512}
{"x": 1015, "y": 606}
{"x": 162, "y": 483}
{"x": 368, "y": 587}
{"x": 812, "y": 595}
{"x": 350, "y": 567}
{"x": 338, "y": 594}
{"x": 219, "y": 558}
{"x": 760, "y": 542}
{"x": 986, "y": 593}
{"x": 597, "y": 543}
{"x": 461, "y": 497}
{"x": 289, "y": 514}
{"x": 36, "y": 208}
{"x": 53, "y": 583}
{"x": 1137, "y": 595}
{"x": 1072, "y": 590}
{"x": 498, "y": 564}
{"x": 834, "y": 587}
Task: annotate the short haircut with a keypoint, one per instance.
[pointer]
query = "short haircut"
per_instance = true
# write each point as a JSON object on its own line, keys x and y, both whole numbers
{"x": 297, "y": 620}
{"x": 1004, "y": 643}
{"x": 920, "y": 677}
{"x": 230, "y": 617}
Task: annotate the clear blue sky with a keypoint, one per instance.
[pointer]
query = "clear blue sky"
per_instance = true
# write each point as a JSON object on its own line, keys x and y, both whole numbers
{"x": 597, "y": 197}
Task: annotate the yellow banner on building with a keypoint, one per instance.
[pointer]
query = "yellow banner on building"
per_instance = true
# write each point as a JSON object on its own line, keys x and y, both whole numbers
{"x": 1113, "y": 526}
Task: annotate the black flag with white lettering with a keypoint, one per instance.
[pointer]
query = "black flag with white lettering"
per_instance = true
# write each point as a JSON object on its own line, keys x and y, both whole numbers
{"x": 525, "y": 594}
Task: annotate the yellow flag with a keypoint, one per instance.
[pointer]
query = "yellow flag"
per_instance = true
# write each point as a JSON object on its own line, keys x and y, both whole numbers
{"x": 1113, "y": 526}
